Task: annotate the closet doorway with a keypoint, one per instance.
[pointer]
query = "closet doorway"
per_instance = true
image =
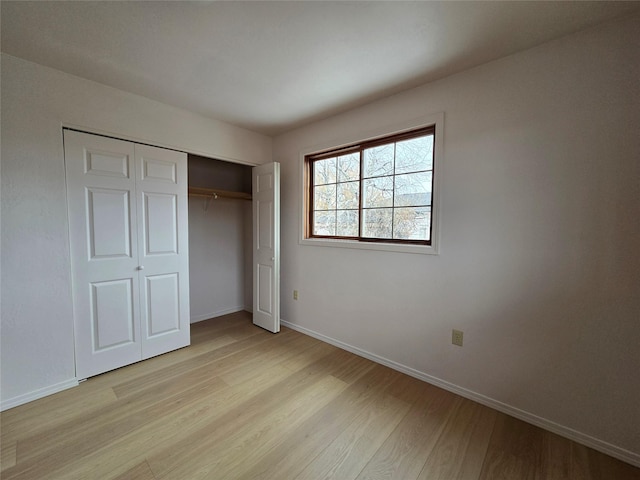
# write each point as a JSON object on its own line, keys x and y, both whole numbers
{"x": 234, "y": 240}
{"x": 128, "y": 206}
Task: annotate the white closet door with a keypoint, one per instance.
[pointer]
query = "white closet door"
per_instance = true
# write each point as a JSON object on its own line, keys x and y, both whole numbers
{"x": 103, "y": 241}
{"x": 129, "y": 250}
{"x": 163, "y": 249}
{"x": 266, "y": 246}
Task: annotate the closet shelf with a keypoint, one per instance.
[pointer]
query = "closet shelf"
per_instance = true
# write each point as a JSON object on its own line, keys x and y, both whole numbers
{"x": 216, "y": 193}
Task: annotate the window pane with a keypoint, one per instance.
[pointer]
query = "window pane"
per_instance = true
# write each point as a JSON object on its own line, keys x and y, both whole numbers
{"x": 413, "y": 189}
{"x": 413, "y": 223}
{"x": 324, "y": 223}
{"x": 378, "y": 192}
{"x": 377, "y": 222}
{"x": 347, "y": 224}
{"x": 348, "y": 195}
{"x": 349, "y": 167}
{"x": 378, "y": 161}
{"x": 414, "y": 155}
{"x": 324, "y": 171}
{"x": 324, "y": 197}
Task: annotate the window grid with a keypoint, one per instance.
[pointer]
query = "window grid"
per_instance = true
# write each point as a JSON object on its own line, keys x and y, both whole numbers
{"x": 336, "y": 155}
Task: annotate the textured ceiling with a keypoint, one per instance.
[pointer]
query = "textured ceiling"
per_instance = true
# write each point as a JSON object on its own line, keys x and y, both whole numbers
{"x": 273, "y": 66}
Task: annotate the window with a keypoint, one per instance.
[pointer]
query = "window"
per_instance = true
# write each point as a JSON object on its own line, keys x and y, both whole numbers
{"x": 380, "y": 190}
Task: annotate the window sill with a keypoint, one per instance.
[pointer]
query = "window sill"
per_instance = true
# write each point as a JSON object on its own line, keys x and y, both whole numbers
{"x": 387, "y": 247}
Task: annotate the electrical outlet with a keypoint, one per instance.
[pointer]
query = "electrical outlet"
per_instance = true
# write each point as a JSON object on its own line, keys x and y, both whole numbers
{"x": 295, "y": 294}
{"x": 456, "y": 337}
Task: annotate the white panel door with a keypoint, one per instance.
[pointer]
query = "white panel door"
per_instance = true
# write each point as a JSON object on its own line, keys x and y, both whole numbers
{"x": 266, "y": 246}
{"x": 163, "y": 249}
{"x": 103, "y": 241}
{"x": 129, "y": 250}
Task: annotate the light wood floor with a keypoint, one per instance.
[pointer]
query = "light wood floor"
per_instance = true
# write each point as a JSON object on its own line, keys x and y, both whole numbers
{"x": 241, "y": 403}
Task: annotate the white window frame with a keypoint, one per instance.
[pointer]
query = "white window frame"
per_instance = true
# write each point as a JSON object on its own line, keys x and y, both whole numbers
{"x": 437, "y": 120}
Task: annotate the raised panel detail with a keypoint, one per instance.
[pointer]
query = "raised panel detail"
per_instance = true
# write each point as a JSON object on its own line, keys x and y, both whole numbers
{"x": 106, "y": 164}
{"x": 264, "y": 289}
{"x": 162, "y": 304}
{"x": 112, "y": 314}
{"x": 265, "y": 223}
{"x": 159, "y": 170}
{"x": 108, "y": 223}
{"x": 265, "y": 182}
{"x": 160, "y": 223}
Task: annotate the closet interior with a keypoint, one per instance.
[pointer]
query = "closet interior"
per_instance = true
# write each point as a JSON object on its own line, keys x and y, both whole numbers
{"x": 220, "y": 237}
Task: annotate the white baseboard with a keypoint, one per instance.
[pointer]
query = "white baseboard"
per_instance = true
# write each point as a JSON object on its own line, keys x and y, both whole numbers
{"x": 218, "y": 313}
{"x": 36, "y": 394}
{"x": 579, "y": 437}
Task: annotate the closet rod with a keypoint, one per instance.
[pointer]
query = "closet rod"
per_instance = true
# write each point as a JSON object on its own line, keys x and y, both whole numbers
{"x": 215, "y": 193}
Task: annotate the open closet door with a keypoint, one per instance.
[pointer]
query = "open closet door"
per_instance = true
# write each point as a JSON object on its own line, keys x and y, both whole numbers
{"x": 266, "y": 246}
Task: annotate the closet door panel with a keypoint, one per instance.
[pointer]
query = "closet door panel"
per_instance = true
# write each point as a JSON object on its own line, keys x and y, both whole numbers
{"x": 266, "y": 246}
{"x": 109, "y": 223}
{"x": 103, "y": 245}
{"x": 112, "y": 314}
{"x": 163, "y": 305}
{"x": 161, "y": 224}
{"x": 163, "y": 249}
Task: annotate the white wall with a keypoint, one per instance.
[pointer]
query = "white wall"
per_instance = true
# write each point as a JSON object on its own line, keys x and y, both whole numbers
{"x": 540, "y": 229}
{"x": 217, "y": 256}
{"x": 37, "y": 326}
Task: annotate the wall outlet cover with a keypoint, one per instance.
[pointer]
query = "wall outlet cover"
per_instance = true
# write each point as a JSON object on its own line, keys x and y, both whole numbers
{"x": 456, "y": 337}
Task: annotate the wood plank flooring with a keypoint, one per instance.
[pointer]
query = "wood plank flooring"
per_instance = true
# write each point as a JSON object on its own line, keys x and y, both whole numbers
{"x": 241, "y": 403}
